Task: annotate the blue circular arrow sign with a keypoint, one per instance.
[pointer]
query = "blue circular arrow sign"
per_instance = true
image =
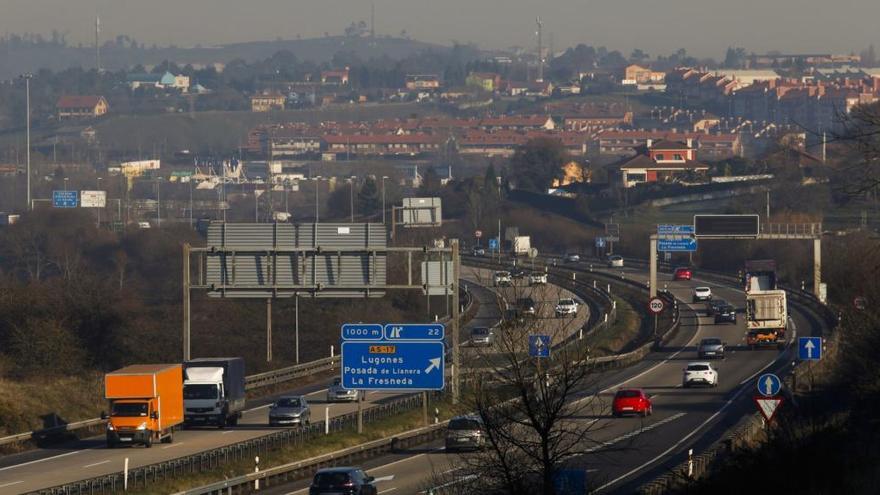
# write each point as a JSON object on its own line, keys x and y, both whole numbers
{"x": 769, "y": 384}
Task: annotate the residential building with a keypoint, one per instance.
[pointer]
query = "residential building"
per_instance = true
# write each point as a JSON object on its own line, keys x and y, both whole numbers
{"x": 159, "y": 81}
{"x": 266, "y": 102}
{"x": 707, "y": 146}
{"x": 518, "y": 123}
{"x": 591, "y": 119}
{"x": 636, "y": 74}
{"x": 488, "y": 81}
{"x": 81, "y": 106}
{"x": 336, "y": 77}
{"x": 382, "y": 144}
{"x": 422, "y": 82}
{"x": 665, "y": 161}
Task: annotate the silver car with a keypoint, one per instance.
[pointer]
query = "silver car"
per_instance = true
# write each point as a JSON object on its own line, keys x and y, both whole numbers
{"x": 482, "y": 336}
{"x": 465, "y": 432}
{"x": 335, "y": 392}
{"x": 711, "y": 348}
{"x": 290, "y": 410}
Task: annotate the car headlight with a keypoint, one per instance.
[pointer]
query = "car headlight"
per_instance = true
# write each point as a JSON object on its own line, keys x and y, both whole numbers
{"x": 110, "y": 427}
{"x": 142, "y": 426}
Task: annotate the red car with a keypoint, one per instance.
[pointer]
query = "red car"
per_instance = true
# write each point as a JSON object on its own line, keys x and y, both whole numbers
{"x": 631, "y": 401}
{"x": 682, "y": 273}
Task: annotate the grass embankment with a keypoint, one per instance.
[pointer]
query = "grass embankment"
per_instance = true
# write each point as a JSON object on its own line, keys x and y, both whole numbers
{"x": 35, "y": 403}
{"x": 330, "y": 443}
{"x": 621, "y": 334}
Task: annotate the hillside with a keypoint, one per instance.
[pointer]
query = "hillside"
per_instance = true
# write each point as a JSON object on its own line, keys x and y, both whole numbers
{"x": 18, "y": 58}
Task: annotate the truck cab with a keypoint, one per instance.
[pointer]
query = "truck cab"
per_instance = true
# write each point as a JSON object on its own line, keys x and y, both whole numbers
{"x": 213, "y": 391}
{"x": 146, "y": 404}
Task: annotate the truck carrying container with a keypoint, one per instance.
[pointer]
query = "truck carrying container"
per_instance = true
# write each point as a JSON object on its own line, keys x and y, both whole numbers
{"x": 766, "y": 317}
{"x": 759, "y": 275}
{"x": 214, "y": 391}
{"x": 146, "y": 403}
{"x": 521, "y": 245}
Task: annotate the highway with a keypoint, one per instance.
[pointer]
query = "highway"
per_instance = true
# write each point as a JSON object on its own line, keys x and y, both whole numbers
{"x": 89, "y": 457}
{"x": 633, "y": 450}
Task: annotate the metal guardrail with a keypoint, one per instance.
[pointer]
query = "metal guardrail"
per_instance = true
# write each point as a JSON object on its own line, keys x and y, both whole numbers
{"x": 252, "y": 382}
{"x": 142, "y": 477}
{"x": 305, "y": 468}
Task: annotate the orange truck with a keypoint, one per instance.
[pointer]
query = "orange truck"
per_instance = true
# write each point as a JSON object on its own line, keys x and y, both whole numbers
{"x": 146, "y": 403}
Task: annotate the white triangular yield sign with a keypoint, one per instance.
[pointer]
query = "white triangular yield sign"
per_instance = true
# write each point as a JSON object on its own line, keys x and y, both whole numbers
{"x": 768, "y": 406}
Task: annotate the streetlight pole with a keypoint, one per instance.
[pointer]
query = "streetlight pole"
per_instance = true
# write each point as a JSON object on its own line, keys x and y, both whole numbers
{"x": 191, "y": 202}
{"x": 317, "y": 186}
{"x": 351, "y": 197}
{"x": 27, "y": 90}
{"x": 105, "y": 204}
{"x": 159, "y": 202}
{"x": 383, "y": 198}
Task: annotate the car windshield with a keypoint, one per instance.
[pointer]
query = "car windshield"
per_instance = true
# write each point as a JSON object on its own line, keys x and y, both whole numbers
{"x": 566, "y": 302}
{"x": 502, "y": 274}
{"x": 627, "y": 394}
{"x": 337, "y": 381}
{"x": 480, "y": 331}
{"x": 711, "y": 341}
{"x": 128, "y": 409}
{"x": 698, "y": 367}
{"x": 200, "y": 391}
{"x": 464, "y": 424}
{"x": 294, "y": 402}
{"x": 702, "y": 289}
{"x": 328, "y": 480}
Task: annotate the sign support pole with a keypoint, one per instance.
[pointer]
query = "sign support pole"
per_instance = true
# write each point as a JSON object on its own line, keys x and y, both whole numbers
{"x": 425, "y": 408}
{"x": 268, "y": 329}
{"x": 817, "y": 265}
{"x": 186, "y": 302}
{"x": 360, "y": 402}
{"x": 652, "y": 290}
{"x": 456, "y": 357}
{"x": 656, "y": 318}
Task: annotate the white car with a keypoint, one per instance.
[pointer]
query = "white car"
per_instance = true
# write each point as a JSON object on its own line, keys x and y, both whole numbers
{"x": 699, "y": 373}
{"x": 702, "y": 294}
{"x": 536, "y": 278}
{"x": 572, "y": 258}
{"x": 502, "y": 279}
{"x": 566, "y": 307}
{"x": 615, "y": 261}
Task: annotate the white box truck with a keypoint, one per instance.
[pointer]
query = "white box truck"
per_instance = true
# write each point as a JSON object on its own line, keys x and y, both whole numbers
{"x": 213, "y": 391}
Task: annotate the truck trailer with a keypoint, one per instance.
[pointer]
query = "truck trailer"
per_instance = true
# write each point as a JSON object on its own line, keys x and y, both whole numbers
{"x": 521, "y": 245}
{"x": 766, "y": 318}
{"x": 213, "y": 391}
{"x": 146, "y": 403}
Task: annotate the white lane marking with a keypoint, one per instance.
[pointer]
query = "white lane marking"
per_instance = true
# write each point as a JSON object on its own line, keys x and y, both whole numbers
{"x": 41, "y": 460}
{"x": 10, "y": 484}
{"x": 303, "y": 490}
{"x": 384, "y": 478}
{"x": 227, "y": 432}
{"x": 636, "y": 432}
{"x": 389, "y": 490}
{"x": 674, "y": 446}
{"x": 453, "y": 482}
{"x": 450, "y": 470}
{"x": 96, "y": 464}
{"x": 178, "y": 444}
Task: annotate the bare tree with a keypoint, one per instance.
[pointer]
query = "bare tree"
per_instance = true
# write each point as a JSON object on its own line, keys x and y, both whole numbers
{"x": 538, "y": 413}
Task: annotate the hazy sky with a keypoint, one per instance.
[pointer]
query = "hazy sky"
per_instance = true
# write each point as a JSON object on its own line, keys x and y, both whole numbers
{"x": 703, "y": 27}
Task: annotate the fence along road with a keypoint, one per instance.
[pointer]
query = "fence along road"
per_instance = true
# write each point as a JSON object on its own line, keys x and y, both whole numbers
{"x": 89, "y": 458}
{"x": 681, "y": 416}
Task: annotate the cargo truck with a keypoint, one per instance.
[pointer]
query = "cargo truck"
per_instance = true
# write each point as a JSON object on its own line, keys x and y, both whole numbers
{"x": 759, "y": 275}
{"x": 213, "y": 391}
{"x": 146, "y": 403}
{"x": 521, "y": 245}
{"x": 766, "y": 318}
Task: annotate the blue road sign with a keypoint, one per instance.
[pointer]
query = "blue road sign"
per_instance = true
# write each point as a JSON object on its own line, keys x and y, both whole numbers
{"x": 675, "y": 229}
{"x": 769, "y": 384}
{"x": 493, "y": 244}
{"x": 684, "y": 244}
{"x": 430, "y": 331}
{"x": 361, "y": 331}
{"x": 539, "y": 346}
{"x": 570, "y": 482}
{"x": 600, "y": 242}
{"x": 809, "y": 348}
{"x": 65, "y": 199}
{"x": 383, "y": 365}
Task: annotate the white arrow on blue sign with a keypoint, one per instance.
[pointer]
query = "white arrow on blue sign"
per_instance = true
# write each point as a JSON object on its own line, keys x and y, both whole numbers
{"x": 493, "y": 244}
{"x": 384, "y": 365}
{"x": 769, "y": 384}
{"x": 539, "y": 346}
{"x": 809, "y": 348}
{"x": 684, "y": 244}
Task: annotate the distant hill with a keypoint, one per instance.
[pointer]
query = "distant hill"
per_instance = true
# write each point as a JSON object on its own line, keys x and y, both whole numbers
{"x": 20, "y": 57}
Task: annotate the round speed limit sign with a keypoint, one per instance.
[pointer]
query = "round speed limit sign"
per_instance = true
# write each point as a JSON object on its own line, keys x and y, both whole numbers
{"x": 656, "y": 305}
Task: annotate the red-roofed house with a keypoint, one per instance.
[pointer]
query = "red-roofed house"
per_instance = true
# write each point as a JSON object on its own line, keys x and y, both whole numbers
{"x": 665, "y": 161}
{"x": 81, "y": 106}
{"x": 337, "y": 77}
{"x": 382, "y": 144}
{"x": 518, "y": 123}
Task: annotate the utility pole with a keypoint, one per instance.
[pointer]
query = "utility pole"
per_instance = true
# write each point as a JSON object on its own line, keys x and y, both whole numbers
{"x": 97, "y": 43}
{"x": 27, "y": 86}
{"x": 351, "y": 198}
{"x": 317, "y": 186}
{"x": 768, "y": 205}
{"x": 540, "y": 51}
{"x": 383, "y": 198}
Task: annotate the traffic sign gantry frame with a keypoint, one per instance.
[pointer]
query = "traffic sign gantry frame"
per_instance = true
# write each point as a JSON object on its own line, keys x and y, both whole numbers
{"x": 810, "y": 348}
